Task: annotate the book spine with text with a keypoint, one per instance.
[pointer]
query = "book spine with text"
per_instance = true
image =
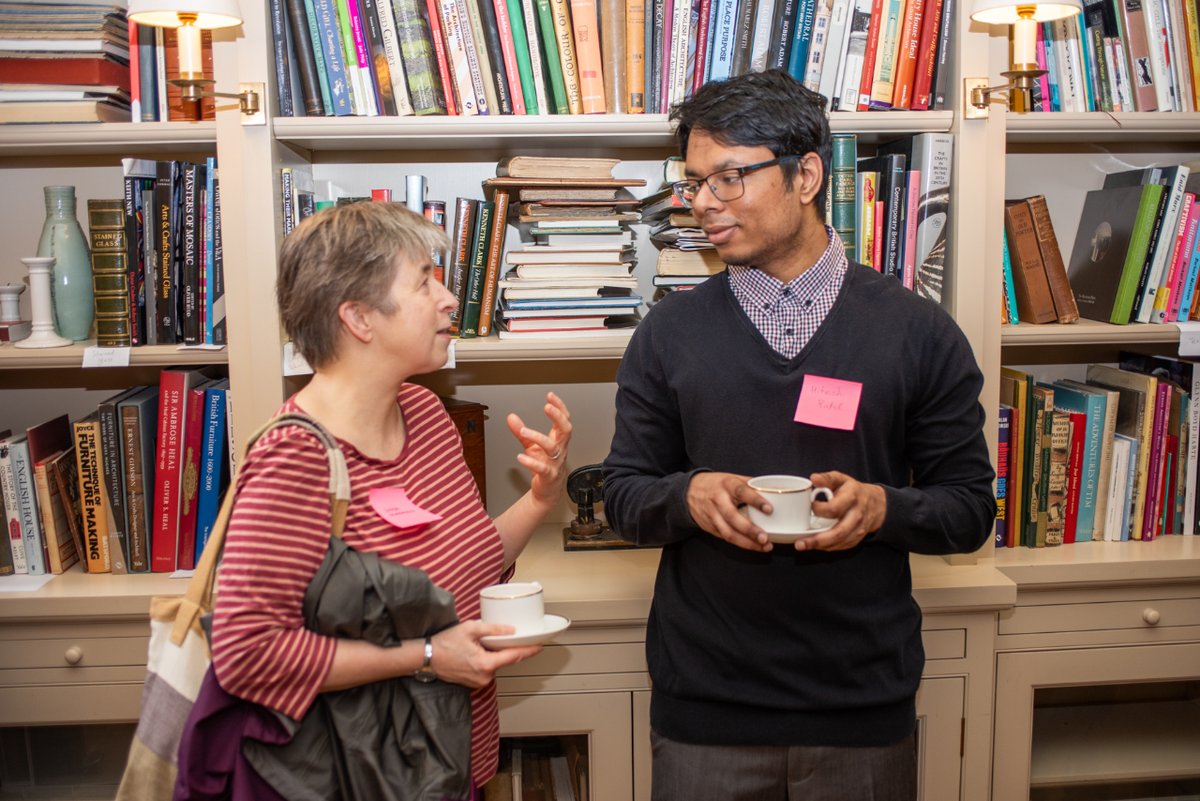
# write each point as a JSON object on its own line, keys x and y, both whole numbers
{"x": 419, "y": 57}
{"x": 164, "y": 227}
{"x": 214, "y": 472}
{"x": 475, "y": 276}
{"x": 168, "y": 474}
{"x": 381, "y": 71}
{"x": 138, "y": 424}
{"x": 550, "y": 44}
{"x": 191, "y": 232}
{"x": 193, "y": 430}
{"x": 495, "y": 252}
{"x": 91, "y": 496}
{"x": 536, "y": 61}
{"x": 13, "y": 528}
{"x": 567, "y": 58}
{"x": 110, "y": 272}
{"x": 460, "y": 258}
{"x": 585, "y": 27}
{"x": 390, "y": 38}
{"x": 456, "y": 54}
{"x": 510, "y": 45}
{"x": 335, "y": 61}
{"x": 114, "y": 482}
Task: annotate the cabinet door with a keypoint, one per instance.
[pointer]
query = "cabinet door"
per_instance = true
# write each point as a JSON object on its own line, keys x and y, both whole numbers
{"x": 605, "y": 718}
{"x": 939, "y": 738}
{"x": 1102, "y": 755}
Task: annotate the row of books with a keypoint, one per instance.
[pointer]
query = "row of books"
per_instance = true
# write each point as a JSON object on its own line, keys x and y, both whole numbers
{"x": 63, "y": 62}
{"x": 153, "y": 64}
{"x": 471, "y": 57}
{"x": 133, "y": 487}
{"x": 157, "y": 260}
{"x": 1135, "y": 259}
{"x": 1109, "y": 458}
{"x": 1121, "y": 55}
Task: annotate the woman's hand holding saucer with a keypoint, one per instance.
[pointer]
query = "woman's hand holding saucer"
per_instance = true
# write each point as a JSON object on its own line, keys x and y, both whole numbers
{"x": 459, "y": 657}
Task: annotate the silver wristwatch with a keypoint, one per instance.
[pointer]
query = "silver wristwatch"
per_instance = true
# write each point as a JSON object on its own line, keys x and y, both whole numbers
{"x": 426, "y": 674}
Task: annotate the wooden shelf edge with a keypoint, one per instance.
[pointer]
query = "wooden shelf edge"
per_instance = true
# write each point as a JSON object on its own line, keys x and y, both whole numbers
{"x": 1171, "y": 558}
{"x": 1086, "y": 332}
{"x": 12, "y": 358}
{"x": 1102, "y": 126}
{"x": 105, "y": 137}
{"x": 565, "y": 132}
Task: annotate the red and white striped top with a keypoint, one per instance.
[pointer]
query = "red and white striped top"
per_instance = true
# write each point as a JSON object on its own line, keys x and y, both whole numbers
{"x": 279, "y": 533}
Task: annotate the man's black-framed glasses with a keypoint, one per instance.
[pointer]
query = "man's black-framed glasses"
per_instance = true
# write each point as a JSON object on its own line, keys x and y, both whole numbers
{"x": 726, "y": 185}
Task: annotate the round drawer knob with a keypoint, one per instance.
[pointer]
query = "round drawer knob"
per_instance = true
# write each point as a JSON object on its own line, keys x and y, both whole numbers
{"x": 1151, "y": 616}
{"x": 73, "y": 655}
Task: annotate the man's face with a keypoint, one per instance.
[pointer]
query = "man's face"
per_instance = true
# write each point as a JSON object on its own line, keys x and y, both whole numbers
{"x": 763, "y": 228}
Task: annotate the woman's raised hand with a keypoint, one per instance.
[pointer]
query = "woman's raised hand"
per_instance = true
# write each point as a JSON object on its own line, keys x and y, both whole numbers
{"x": 545, "y": 455}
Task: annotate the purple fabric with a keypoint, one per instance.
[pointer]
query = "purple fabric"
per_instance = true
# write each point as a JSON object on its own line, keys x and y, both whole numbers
{"x": 211, "y": 765}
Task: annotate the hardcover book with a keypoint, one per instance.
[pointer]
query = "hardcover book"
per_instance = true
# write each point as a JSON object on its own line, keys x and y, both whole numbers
{"x": 1110, "y": 250}
{"x": 139, "y": 421}
{"x": 93, "y": 508}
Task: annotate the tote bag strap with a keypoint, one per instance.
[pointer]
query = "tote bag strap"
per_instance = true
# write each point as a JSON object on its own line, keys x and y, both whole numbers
{"x": 200, "y": 586}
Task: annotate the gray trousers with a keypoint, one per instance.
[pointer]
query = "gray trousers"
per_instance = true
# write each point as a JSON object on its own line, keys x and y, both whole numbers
{"x": 685, "y": 772}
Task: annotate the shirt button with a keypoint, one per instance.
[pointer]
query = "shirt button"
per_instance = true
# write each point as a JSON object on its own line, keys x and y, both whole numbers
{"x": 766, "y": 307}
{"x": 787, "y": 332}
{"x": 787, "y": 290}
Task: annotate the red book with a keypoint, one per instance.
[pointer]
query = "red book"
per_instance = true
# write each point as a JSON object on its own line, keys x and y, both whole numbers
{"x": 439, "y": 51}
{"x": 1074, "y": 474}
{"x": 381, "y": 195}
{"x": 185, "y": 557}
{"x": 927, "y": 56}
{"x": 168, "y": 475}
{"x": 92, "y": 71}
{"x": 134, "y": 86}
{"x": 1170, "y": 477}
{"x": 868, "y": 72}
{"x": 1154, "y": 470}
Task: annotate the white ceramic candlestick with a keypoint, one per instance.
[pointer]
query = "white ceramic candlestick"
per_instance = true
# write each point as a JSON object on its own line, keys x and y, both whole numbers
{"x": 43, "y": 335}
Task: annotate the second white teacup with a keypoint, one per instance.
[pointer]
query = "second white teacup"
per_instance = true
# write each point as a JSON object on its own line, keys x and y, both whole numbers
{"x": 791, "y": 500}
{"x": 518, "y": 604}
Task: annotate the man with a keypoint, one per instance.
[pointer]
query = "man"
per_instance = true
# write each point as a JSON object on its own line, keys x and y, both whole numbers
{"x": 788, "y": 672}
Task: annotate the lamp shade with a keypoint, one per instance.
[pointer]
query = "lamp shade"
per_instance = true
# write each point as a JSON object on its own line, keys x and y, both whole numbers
{"x": 166, "y": 13}
{"x": 1007, "y": 12}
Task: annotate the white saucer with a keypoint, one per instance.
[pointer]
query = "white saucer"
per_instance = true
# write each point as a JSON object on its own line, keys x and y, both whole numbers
{"x": 552, "y": 626}
{"x": 818, "y": 524}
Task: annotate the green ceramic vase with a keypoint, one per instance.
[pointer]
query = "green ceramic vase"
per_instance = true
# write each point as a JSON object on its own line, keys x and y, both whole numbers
{"x": 65, "y": 241}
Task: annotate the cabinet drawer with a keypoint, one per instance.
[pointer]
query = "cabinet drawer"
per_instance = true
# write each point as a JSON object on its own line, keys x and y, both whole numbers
{"x": 104, "y": 702}
{"x": 81, "y": 652}
{"x": 1158, "y": 613}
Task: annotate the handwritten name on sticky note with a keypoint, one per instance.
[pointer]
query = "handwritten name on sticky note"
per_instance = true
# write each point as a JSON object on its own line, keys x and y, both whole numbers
{"x": 828, "y": 402}
{"x": 394, "y": 506}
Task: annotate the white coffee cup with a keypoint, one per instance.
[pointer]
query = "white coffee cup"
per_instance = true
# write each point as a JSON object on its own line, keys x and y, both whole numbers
{"x": 518, "y": 604}
{"x": 791, "y": 500}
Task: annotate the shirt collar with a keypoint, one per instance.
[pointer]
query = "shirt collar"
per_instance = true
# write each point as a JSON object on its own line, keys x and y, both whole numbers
{"x": 809, "y": 283}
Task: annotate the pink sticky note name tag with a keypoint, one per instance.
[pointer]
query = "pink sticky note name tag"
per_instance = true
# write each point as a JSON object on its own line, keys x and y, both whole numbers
{"x": 393, "y": 505}
{"x": 828, "y": 402}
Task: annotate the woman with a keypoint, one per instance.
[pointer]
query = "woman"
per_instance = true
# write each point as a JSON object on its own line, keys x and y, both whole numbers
{"x": 358, "y": 296}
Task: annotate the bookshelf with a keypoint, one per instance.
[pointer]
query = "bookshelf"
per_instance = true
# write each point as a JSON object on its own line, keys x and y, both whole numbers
{"x": 1098, "y": 661}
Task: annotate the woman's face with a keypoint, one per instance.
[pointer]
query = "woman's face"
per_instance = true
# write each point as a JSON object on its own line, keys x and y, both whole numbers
{"x": 416, "y": 334}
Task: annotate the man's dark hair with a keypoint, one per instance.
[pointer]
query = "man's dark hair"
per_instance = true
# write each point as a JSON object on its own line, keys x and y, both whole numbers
{"x": 770, "y": 108}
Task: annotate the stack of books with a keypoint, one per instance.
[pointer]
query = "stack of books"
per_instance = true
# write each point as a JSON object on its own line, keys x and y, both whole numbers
{"x": 63, "y": 62}
{"x": 685, "y": 257}
{"x": 576, "y": 278}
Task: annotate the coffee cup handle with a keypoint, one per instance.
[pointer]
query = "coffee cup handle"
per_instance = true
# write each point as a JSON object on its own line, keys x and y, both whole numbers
{"x": 828, "y": 494}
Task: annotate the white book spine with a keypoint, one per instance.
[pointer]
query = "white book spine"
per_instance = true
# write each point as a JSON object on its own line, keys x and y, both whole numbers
{"x": 1156, "y": 41}
{"x": 764, "y": 14}
{"x": 681, "y": 25}
{"x": 856, "y": 50}
{"x": 12, "y": 511}
{"x": 835, "y": 51}
{"x": 456, "y": 54}
{"x": 1162, "y": 246}
{"x": 535, "y": 55}
{"x": 475, "y": 56}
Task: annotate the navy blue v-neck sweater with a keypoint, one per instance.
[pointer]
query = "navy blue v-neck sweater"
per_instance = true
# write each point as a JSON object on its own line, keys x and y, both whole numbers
{"x": 788, "y": 648}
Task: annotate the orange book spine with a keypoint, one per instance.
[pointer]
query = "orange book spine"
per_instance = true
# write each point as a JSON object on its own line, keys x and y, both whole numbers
{"x": 635, "y": 55}
{"x": 491, "y": 278}
{"x": 906, "y": 58}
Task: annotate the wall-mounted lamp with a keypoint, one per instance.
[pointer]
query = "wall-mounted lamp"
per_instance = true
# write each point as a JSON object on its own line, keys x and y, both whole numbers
{"x": 189, "y": 18}
{"x": 1023, "y": 16}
